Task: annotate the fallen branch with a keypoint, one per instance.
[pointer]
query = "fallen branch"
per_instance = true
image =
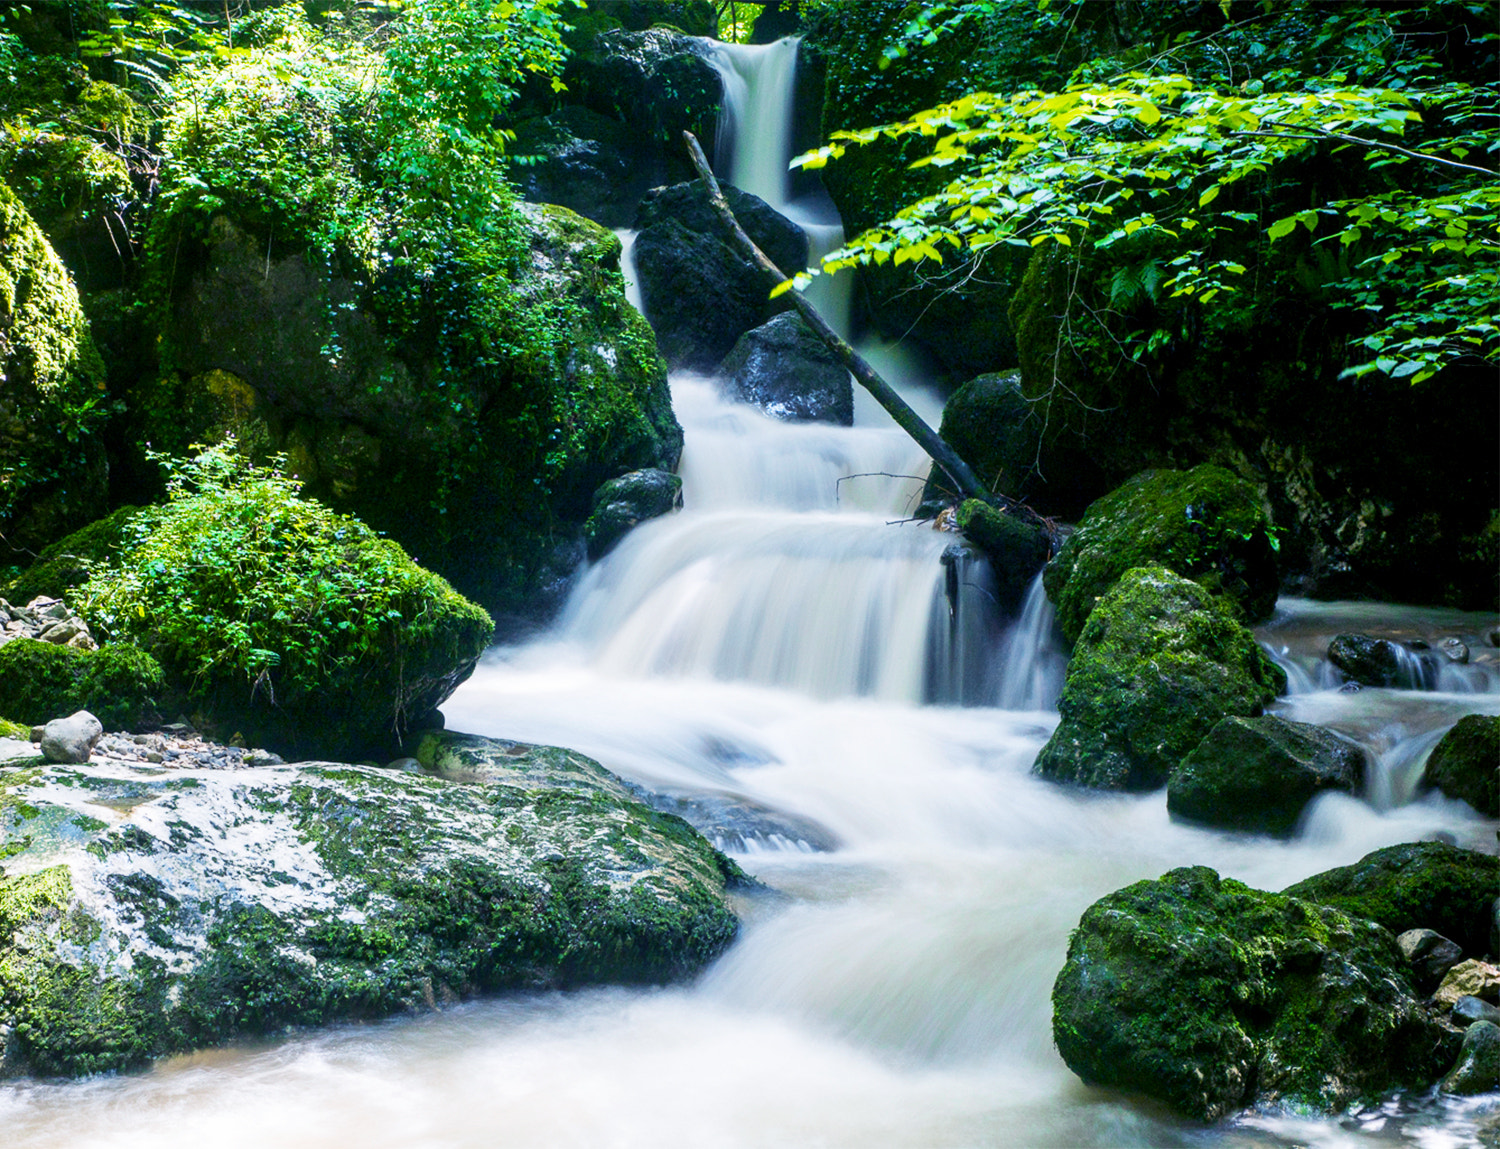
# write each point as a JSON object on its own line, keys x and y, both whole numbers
{"x": 964, "y": 480}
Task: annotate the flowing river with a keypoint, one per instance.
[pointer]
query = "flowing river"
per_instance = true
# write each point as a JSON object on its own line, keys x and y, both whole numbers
{"x": 790, "y": 656}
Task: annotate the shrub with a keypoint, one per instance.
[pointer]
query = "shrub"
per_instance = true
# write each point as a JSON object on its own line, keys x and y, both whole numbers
{"x": 39, "y": 681}
{"x": 300, "y": 624}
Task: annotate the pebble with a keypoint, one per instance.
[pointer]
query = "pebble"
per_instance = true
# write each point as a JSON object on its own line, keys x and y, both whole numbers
{"x": 180, "y": 748}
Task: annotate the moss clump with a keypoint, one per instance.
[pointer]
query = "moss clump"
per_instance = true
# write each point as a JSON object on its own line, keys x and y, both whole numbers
{"x": 9, "y": 729}
{"x": 1017, "y": 548}
{"x": 275, "y": 612}
{"x": 1205, "y": 524}
{"x": 1159, "y": 662}
{"x": 52, "y": 476}
{"x": 1466, "y": 763}
{"x": 39, "y": 681}
{"x": 1420, "y": 885}
{"x": 1209, "y": 995}
{"x": 66, "y": 563}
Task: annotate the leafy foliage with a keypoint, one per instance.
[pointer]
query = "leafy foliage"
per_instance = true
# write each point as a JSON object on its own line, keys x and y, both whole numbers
{"x": 1140, "y": 157}
{"x": 242, "y": 588}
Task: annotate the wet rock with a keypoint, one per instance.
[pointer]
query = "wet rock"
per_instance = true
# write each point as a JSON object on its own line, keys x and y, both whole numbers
{"x": 1431, "y": 956}
{"x": 1469, "y": 1009}
{"x": 1369, "y": 661}
{"x": 587, "y": 162}
{"x": 221, "y": 903}
{"x": 1455, "y": 650}
{"x": 1205, "y": 524}
{"x": 1259, "y": 773}
{"x": 1472, "y": 978}
{"x": 699, "y": 294}
{"x": 1209, "y": 996}
{"x": 1478, "y": 1066}
{"x": 1017, "y": 547}
{"x": 1159, "y": 663}
{"x": 783, "y": 368}
{"x": 1466, "y": 763}
{"x": 627, "y": 500}
{"x": 71, "y": 739}
{"x": 1420, "y": 885}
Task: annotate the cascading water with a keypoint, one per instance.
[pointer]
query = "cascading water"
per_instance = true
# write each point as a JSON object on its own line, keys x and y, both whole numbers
{"x": 770, "y": 648}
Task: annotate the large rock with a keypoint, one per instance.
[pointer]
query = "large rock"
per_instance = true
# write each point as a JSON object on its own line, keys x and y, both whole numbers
{"x": 1420, "y": 885}
{"x": 582, "y": 160}
{"x": 146, "y": 912}
{"x": 1208, "y": 995}
{"x": 53, "y": 473}
{"x": 40, "y": 681}
{"x": 1368, "y": 661}
{"x": 475, "y": 437}
{"x": 998, "y": 431}
{"x": 1159, "y": 663}
{"x": 698, "y": 292}
{"x": 71, "y": 739}
{"x": 1478, "y": 1067}
{"x": 1258, "y": 773}
{"x": 783, "y": 368}
{"x": 1205, "y": 524}
{"x": 630, "y": 499}
{"x": 1466, "y": 763}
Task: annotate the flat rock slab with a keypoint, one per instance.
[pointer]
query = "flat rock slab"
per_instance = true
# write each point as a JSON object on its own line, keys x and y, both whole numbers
{"x": 146, "y": 910}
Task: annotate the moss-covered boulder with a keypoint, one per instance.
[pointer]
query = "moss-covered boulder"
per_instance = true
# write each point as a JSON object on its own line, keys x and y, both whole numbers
{"x": 1259, "y": 773}
{"x": 1420, "y": 885}
{"x": 1466, "y": 763}
{"x": 40, "y": 681}
{"x": 1017, "y": 547}
{"x": 1209, "y": 996}
{"x": 697, "y": 290}
{"x": 66, "y": 563}
{"x": 1159, "y": 663}
{"x": 623, "y": 502}
{"x": 146, "y": 911}
{"x": 53, "y": 473}
{"x": 281, "y": 619}
{"x": 1205, "y": 524}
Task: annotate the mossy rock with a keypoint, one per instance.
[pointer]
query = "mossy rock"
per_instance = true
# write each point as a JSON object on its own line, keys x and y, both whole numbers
{"x": 1466, "y": 763}
{"x": 20, "y": 731}
{"x": 1420, "y": 885}
{"x": 1258, "y": 774}
{"x": 120, "y": 685}
{"x": 66, "y": 563}
{"x": 1205, "y": 524}
{"x": 53, "y": 473}
{"x": 1159, "y": 663}
{"x": 147, "y": 912}
{"x": 1017, "y": 548}
{"x": 1209, "y": 995}
{"x": 626, "y": 501}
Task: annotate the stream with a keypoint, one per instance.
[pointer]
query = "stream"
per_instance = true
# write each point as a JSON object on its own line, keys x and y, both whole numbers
{"x": 786, "y": 653}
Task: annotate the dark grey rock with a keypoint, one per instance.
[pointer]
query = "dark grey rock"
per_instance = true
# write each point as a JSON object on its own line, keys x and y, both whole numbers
{"x": 699, "y": 294}
{"x": 783, "y": 368}
{"x": 1478, "y": 1067}
{"x": 1259, "y": 773}
{"x": 1431, "y": 956}
{"x": 71, "y": 739}
{"x": 1370, "y": 661}
{"x": 1469, "y": 1009}
{"x": 623, "y": 502}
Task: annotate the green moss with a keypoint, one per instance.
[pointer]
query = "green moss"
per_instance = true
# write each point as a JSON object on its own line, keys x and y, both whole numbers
{"x": 65, "y": 564}
{"x": 40, "y": 681}
{"x": 9, "y": 729}
{"x": 1466, "y": 763}
{"x": 52, "y": 380}
{"x": 1159, "y": 662}
{"x": 1420, "y": 885}
{"x": 1209, "y": 995}
{"x": 1204, "y": 524}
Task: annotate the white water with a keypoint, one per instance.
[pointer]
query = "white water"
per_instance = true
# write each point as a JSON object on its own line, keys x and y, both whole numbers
{"x": 773, "y": 645}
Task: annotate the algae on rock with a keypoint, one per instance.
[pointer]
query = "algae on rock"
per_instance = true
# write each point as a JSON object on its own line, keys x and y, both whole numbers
{"x": 146, "y": 911}
{"x": 1209, "y": 995}
{"x": 1159, "y": 662}
{"x": 1204, "y": 524}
